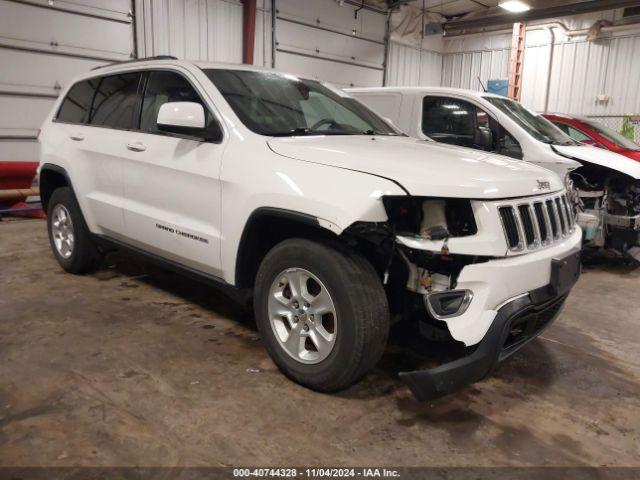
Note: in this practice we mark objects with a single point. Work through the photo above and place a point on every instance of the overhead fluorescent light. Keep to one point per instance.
(515, 6)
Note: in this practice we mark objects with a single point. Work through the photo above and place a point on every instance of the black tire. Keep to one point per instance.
(85, 256)
(362, 312)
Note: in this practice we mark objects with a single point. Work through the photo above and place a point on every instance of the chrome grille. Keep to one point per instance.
(532, 223)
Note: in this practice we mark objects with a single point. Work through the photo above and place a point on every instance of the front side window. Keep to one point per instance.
(458, 122)
(574, 133)
(535, 125)
(450, 120)
(507, 145)
(75, 107)
(115, 101)
(276, 104)
(163, 87)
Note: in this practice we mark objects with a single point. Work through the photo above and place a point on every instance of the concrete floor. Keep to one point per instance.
(136, 366)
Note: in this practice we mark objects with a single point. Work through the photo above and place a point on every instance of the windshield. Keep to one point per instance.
(277, 104)
(612, 135)
(535, 125)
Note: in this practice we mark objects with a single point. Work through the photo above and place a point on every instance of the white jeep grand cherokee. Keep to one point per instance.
(292, 189)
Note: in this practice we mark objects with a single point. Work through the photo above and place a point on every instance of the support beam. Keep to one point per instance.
(248, 30)
(538, 14)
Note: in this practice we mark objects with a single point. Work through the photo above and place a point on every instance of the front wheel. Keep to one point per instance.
(322, 313)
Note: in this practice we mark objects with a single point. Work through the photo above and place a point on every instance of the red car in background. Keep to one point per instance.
(593, 133)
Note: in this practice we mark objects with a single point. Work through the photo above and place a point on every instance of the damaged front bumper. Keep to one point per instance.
(517, 322)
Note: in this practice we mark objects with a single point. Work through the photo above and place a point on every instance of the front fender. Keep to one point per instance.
(588, 155)
(336, 197)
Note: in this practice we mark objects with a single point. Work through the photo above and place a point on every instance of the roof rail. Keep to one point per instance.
(157, 57)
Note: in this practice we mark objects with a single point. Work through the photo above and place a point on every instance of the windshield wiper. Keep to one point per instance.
(292, 132)
(301, 131)
(388, 134)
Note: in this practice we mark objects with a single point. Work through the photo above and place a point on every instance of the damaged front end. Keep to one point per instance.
(454, 266)
(609, 210)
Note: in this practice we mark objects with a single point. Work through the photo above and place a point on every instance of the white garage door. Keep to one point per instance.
(324, 40)
(43, 44)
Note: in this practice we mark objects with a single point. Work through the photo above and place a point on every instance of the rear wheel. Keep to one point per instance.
(321, 312)
(69, 237)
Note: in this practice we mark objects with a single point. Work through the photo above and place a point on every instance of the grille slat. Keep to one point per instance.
(561, 215)
(510, 226)
(542, 222)
(552, 218)
(527, 223)
(568, 209)
(539, 222)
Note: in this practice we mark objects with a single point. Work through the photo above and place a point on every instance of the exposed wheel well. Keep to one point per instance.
(266, 228)
(51, 179)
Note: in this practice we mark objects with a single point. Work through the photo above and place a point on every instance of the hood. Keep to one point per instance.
(424, 168)
(632, 154)
(600, 156)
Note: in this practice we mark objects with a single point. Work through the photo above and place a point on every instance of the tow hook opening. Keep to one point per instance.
(452, 303)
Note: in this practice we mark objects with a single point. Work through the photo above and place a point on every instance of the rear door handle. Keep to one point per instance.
(136, 146)
(78, 137)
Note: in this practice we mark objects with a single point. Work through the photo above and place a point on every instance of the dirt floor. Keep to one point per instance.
(134, 365)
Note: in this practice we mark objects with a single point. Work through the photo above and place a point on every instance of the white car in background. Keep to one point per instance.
(288, 188)
(607, 185)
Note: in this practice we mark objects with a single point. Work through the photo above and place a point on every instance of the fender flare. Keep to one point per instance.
(57, 169)
(244, 252)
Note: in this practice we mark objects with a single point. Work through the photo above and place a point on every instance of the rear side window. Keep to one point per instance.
(115, 101)
(75, 107)
(164, 87)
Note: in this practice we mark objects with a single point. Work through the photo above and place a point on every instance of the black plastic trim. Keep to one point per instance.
(267, 212)
(107, 241)
(449, 377)
(57, 169)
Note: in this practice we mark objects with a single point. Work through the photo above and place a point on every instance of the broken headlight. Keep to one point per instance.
(430, 218)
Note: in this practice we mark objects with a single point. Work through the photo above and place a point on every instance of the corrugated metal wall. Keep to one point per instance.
(580, 72)
(412, 66)
(193, 29)
(463, 69)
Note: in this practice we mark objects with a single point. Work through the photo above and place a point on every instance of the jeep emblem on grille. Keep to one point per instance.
(544, 185)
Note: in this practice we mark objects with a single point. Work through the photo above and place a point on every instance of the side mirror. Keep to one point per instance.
(186, 118)
(483, 138)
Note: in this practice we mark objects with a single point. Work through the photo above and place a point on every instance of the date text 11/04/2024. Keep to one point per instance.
(317, 472)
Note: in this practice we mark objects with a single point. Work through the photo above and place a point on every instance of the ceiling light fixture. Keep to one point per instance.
(515, 6)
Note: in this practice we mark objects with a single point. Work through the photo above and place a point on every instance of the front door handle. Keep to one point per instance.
(78, 137)
(136, 147)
